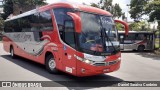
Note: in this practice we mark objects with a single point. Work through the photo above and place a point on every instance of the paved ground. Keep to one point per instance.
(135, 67)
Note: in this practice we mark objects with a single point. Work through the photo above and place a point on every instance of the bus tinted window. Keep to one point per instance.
(130, 37)
(35, 22)
(140, 36)
(61, 16)
(69, 33)
(45, 21)
(8, 27)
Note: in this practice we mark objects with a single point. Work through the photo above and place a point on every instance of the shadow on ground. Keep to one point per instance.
(65, 80)
(145, 54)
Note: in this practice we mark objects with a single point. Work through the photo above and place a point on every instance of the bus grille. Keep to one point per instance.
(100, 64)
(105, 63)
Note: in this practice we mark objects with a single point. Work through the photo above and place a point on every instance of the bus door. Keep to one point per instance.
(150, 41)
(66, 28)
(69, 61)
(121, 37)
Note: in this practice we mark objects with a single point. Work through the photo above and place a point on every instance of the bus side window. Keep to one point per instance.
(34, 22)
(8, 27)
(140, 36)
(45, 21)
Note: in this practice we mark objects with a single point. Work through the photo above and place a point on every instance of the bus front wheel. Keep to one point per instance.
(50, 64)
(141, 48)
(12, 52)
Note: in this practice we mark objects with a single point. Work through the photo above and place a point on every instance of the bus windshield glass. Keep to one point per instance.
(99, 34)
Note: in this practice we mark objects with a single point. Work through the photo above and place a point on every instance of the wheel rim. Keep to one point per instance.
(52, 64)
(12, 52)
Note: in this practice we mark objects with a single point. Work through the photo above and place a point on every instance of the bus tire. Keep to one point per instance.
(141, 48)
(12, 52)
(50, 64)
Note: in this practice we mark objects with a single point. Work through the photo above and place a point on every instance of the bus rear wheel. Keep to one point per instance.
(50, 64)
(12, 53)
(141, 48)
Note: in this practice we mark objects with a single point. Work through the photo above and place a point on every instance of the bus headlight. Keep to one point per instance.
(84, 60)
(88, 61)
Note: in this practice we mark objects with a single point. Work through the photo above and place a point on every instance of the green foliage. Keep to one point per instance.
(139, 26)
(108, 6)
(137, 8)
(95, 5)
(143, 7)
(29, 2)
(120, 27)
(9, 5)
(136, 26)
(8, 9)
(117, 11)
(1, 24)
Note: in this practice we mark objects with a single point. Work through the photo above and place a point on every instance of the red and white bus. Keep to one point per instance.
(76, 39)
(137, 40)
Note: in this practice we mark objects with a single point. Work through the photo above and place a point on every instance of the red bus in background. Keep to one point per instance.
(76, 39)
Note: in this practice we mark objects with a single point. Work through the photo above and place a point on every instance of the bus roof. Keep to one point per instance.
(78, 7)
(84, 8)
(136, 32)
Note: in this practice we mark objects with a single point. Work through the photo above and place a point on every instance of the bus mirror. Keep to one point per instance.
(77, 21)
(125, 25)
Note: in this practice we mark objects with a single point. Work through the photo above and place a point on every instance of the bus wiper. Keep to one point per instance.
(103, 39)
(108, 39)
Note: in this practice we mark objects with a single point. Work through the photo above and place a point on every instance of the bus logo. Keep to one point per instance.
(6, 84)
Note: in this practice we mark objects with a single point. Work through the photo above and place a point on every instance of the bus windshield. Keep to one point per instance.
(99, 34)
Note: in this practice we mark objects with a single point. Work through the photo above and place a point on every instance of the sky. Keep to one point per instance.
(122, 4)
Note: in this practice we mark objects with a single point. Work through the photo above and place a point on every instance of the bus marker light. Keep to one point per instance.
(69, 56)
(68, 69)
(83, 70)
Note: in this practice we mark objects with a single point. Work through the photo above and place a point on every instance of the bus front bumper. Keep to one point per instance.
(84, 69)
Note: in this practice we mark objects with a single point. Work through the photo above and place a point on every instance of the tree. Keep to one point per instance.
(1, 24)
(95, 5)
(149, 7)
(29, 2)
(12, 6)
(117, 11)
(139, 26)
(108, 6)
(20, 6)
(120, 27)
(137, 8)
(7, 9)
